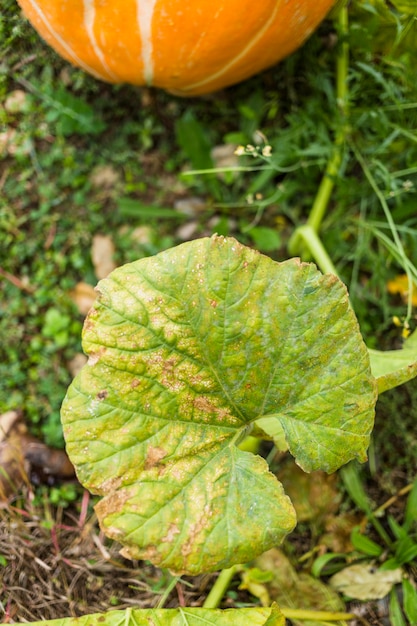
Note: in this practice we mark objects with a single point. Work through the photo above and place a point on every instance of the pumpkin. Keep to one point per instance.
(188, 47)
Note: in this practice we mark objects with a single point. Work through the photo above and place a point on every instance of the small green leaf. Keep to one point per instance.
(130, 207)
(410, 602)
(406, 551)
(395, 613)
(397, 530)
(364, 544)
(187, 350)
(270, 616)
(323, 566)
(354, 487)
(265, 238)
(410, 516)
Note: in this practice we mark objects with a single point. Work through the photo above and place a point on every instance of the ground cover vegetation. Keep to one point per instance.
(94, 176)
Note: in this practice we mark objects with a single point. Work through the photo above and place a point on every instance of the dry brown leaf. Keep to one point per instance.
(190, 205)
(13, 468)
(104, 177)
(314, 495)
(8, 421)
(365, 582)
(142, 235)
(84, 296)
(338, 532)
(293, 590)
(102, 251)
(7, 139)
(15, 101)
(21, 453)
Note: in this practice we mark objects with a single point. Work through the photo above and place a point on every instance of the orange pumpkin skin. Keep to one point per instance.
(188, 47)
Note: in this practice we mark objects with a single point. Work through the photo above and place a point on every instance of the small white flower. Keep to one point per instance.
(240, 150)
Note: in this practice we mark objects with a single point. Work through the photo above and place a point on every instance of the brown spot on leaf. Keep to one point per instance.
(154, 455)
(135, 383)
(195, 531)
(202, 403)
(108, 486)
(94, 357)
(102, 395)
(172, 531)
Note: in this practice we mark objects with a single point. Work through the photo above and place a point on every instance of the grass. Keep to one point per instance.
(80, 158)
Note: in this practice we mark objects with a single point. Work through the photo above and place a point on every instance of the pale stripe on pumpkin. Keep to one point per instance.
(60, 41)
(145, 12)
(256, 38)
(89, 18)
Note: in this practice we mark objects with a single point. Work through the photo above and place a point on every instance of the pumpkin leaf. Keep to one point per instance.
(176, 617)
(187, 350)
(395, 367)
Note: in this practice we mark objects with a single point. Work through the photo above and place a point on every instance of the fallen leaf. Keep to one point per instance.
(7, 139)
(191, 205)
(314, 496)
(102, 251)
(104, 177)
(143, 235)
(187, 231)
(7, 421)
(13, 468)
(364, 581)
(83, 295)
(338, 532)
(21, 454)
(16, 101)
(50, 461)
(299, 591)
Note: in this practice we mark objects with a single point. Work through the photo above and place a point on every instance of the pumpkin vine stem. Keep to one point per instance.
(220, 587)
(302, 241)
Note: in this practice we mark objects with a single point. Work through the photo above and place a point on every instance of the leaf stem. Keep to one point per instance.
(327, 183)
(220, 587)
(325, 616)
(310, 238)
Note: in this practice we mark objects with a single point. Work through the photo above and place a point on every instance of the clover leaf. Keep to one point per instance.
(187, 350)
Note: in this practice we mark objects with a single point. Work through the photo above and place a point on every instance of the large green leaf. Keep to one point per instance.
(176, 617)
(187, 350)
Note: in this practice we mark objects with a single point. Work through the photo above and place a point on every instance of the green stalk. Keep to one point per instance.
(296, 244)
(312, 241)
(220, 587)
(167, 591)
(322, 616)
